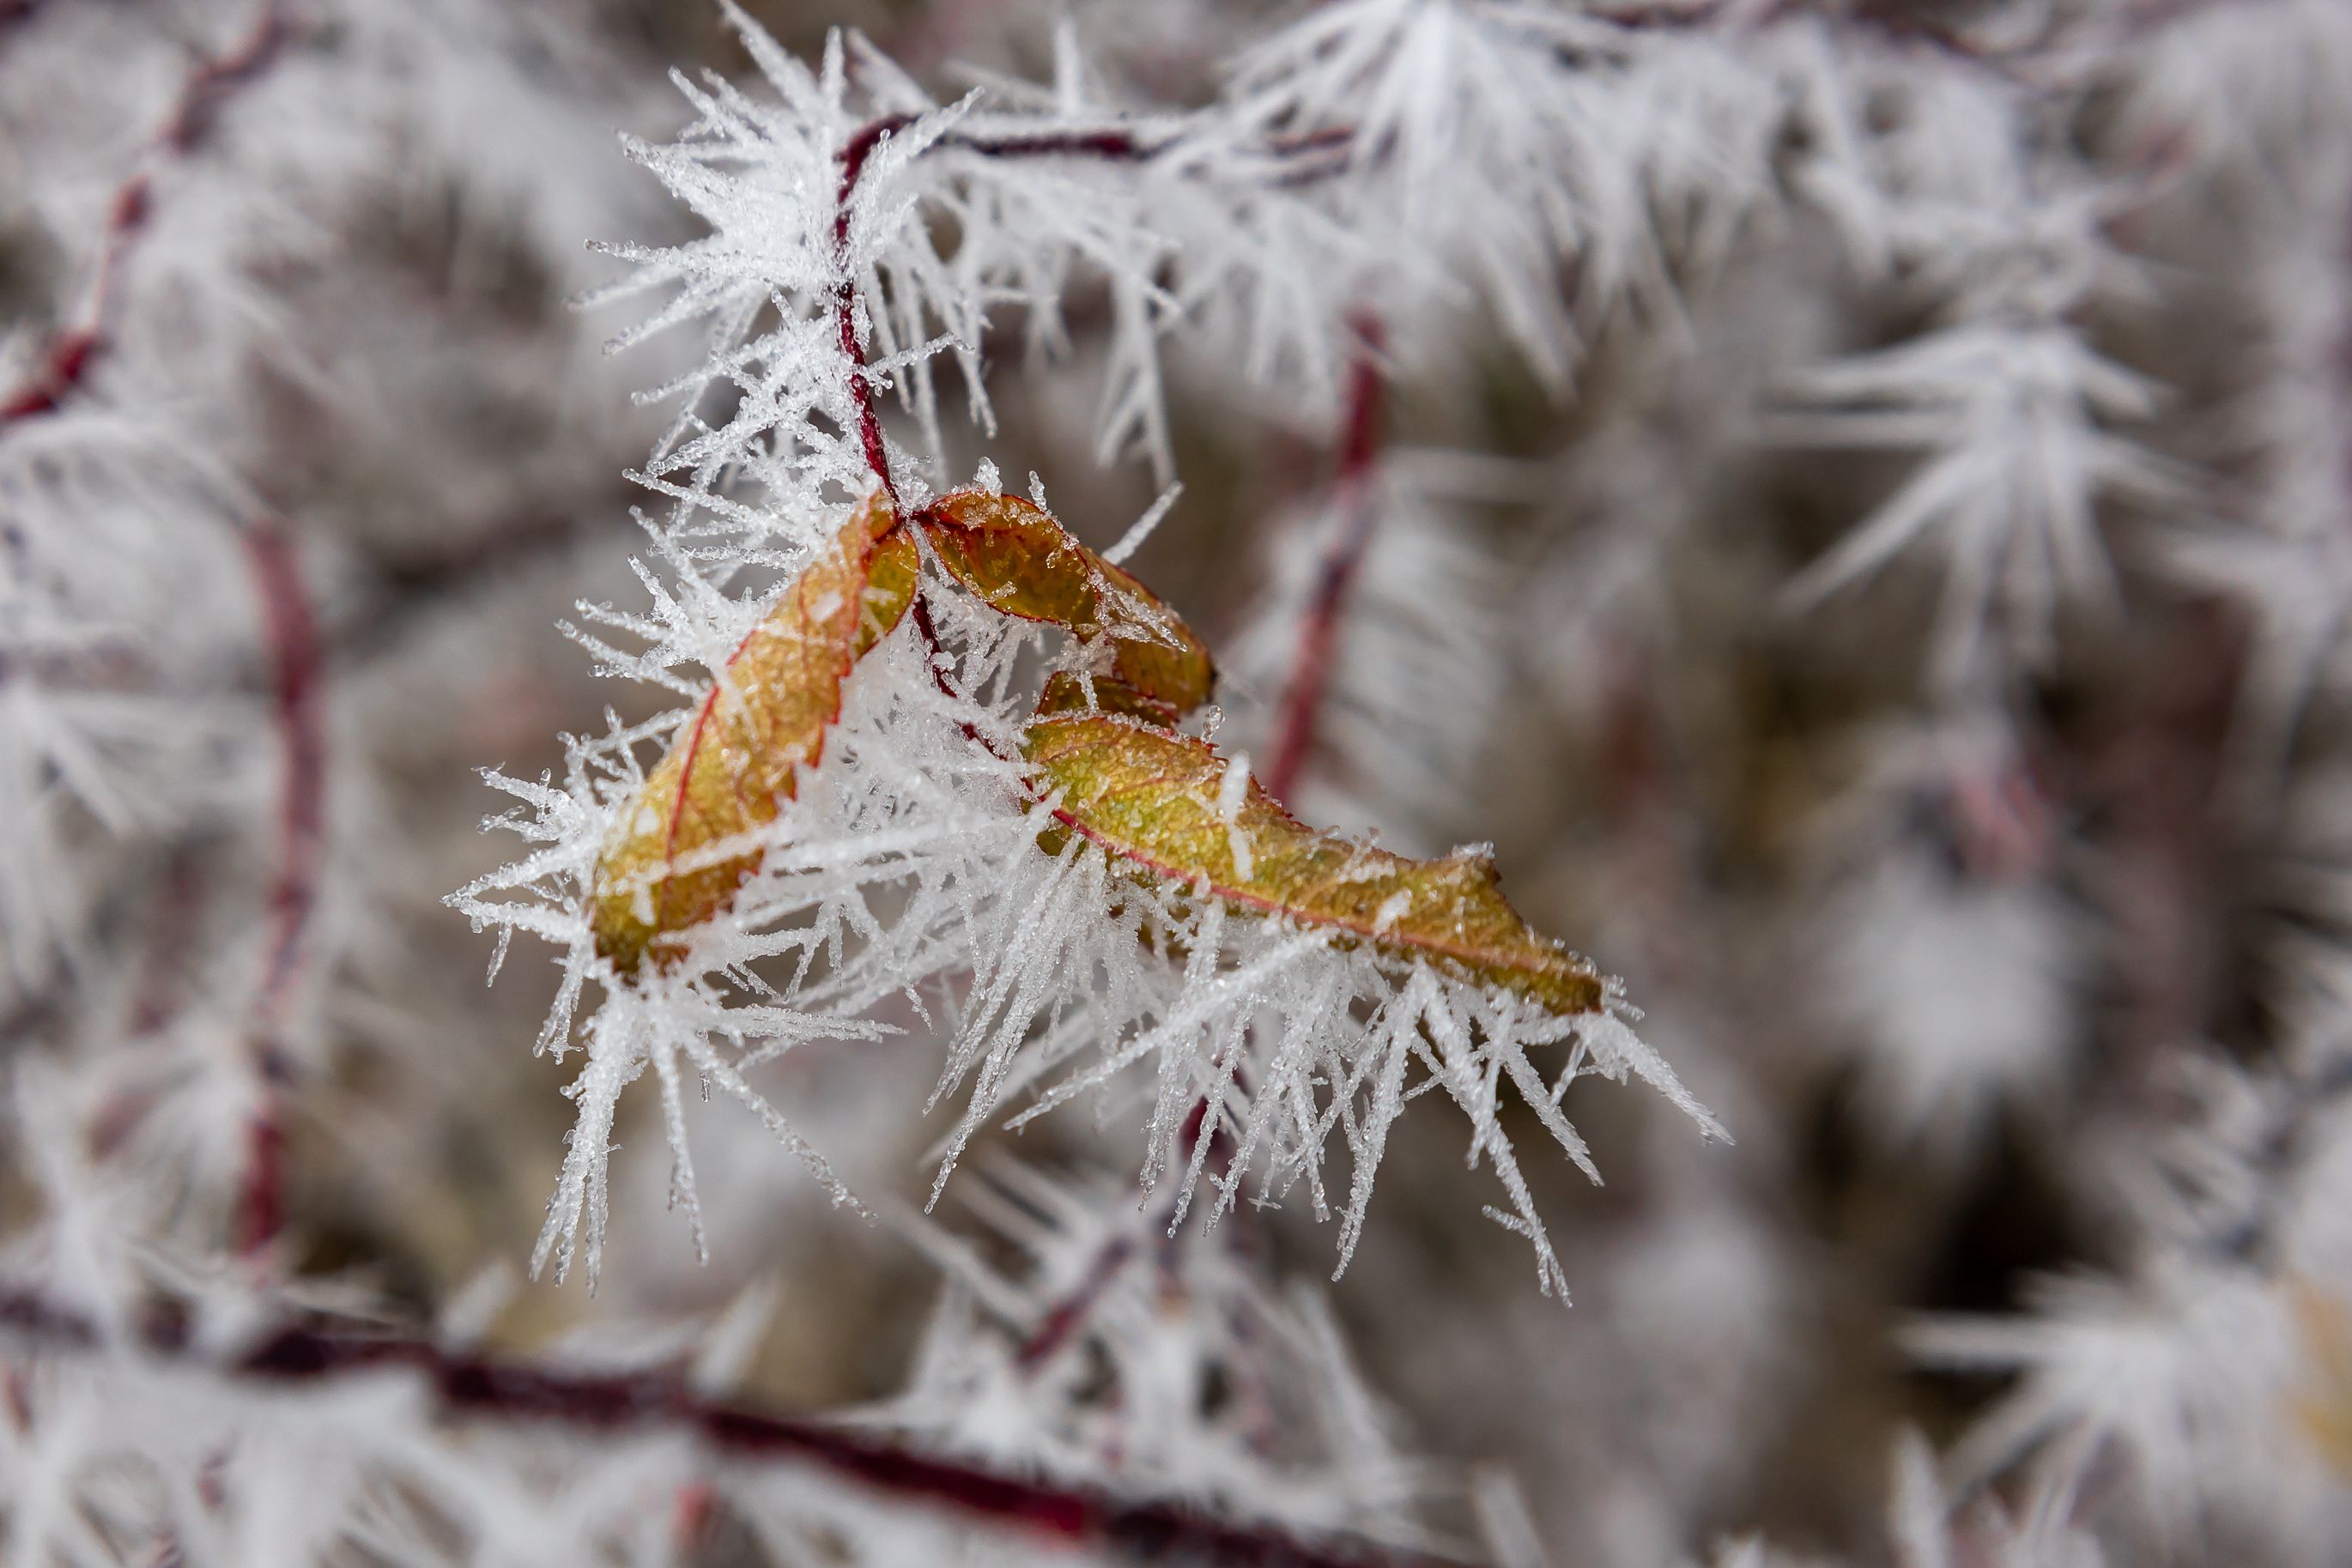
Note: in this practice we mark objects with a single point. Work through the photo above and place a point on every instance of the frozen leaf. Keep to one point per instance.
(1157, 800)
(1160, 801)
(665, 868)
(1020, 561)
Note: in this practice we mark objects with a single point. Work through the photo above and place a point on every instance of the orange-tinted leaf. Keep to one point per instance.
(1015, 557)
(1162, 801)
(727, 769)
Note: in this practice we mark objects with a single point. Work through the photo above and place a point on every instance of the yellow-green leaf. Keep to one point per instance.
(728, 766)
(1166, 803)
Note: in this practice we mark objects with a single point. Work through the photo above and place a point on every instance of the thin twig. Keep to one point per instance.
(1106, 142)
(209, 86)
(1318, 634)
(296, 660)
(855, 153)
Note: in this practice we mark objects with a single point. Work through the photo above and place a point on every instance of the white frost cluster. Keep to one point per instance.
(1946, 955)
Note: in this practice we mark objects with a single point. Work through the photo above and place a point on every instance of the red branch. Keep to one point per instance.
(1310, 669)
(296, 660)
(1109, 143)
(295, 667)
(260, 1211)
(607, 1404)
(1066, 1316)
(854, 155)
(208, 87)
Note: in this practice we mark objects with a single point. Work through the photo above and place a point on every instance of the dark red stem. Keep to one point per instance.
(209, 86)
(296, 660)
(1318, 634)
(1065, 1317)
(261, 1193)
(855, 153)
(1109, 143)
(607, 1404)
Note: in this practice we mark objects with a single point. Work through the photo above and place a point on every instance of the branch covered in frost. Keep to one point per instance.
(328, 1381)
(209, 86)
